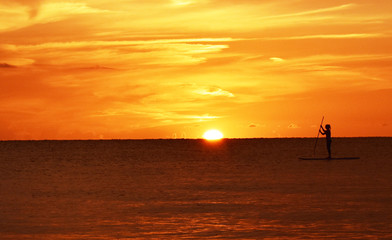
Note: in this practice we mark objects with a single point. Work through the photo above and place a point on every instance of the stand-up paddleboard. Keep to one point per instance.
(326, 158)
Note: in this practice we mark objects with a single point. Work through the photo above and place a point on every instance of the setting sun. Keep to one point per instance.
(213, 135)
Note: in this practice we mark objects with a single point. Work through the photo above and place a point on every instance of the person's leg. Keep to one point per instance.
(329, 148)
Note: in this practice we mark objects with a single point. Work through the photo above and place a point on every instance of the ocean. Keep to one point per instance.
(194, 189)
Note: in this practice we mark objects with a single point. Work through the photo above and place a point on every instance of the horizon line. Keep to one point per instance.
(144, 139)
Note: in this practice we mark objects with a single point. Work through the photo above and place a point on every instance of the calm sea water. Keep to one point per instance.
(191, 189)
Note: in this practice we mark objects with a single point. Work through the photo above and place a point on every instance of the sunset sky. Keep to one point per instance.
(93, 69)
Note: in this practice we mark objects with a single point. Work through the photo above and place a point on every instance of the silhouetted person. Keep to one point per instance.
(327, 133)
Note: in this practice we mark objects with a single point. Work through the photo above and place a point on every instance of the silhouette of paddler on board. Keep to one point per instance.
(327, 133)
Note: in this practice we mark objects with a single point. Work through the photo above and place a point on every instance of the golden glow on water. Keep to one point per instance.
(185, 189)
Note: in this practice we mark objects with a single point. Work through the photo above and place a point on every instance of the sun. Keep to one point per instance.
(213, 134)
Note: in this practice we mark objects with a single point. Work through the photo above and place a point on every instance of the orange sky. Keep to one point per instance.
(95, 69)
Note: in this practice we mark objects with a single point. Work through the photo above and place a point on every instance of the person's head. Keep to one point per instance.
(327, 126)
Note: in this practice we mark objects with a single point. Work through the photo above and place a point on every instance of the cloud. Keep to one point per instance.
(158, 43)
(332, 36)
(217, 17)
(183, 3)
(124, 54)
(276, 59)
(33, 5)
(56, 11)
(313, 12)
(204, 117)
(40, 11)
(214, 91)
(6, 65)
(14, 16)
(349, 65)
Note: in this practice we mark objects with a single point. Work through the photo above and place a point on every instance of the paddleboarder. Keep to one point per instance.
(327, 133)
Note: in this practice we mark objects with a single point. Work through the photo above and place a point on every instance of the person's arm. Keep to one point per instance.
(322, 130)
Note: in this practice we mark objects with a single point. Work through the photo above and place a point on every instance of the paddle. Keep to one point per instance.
(318, 133)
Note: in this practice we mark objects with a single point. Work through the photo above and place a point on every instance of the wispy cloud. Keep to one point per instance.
(40, 12)
(312, 12)
(60, 10)
(156, 42)
(33, 5)
(123, 53)
(214, 91)
(276, 59)
(332, 36)
(6, 65)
